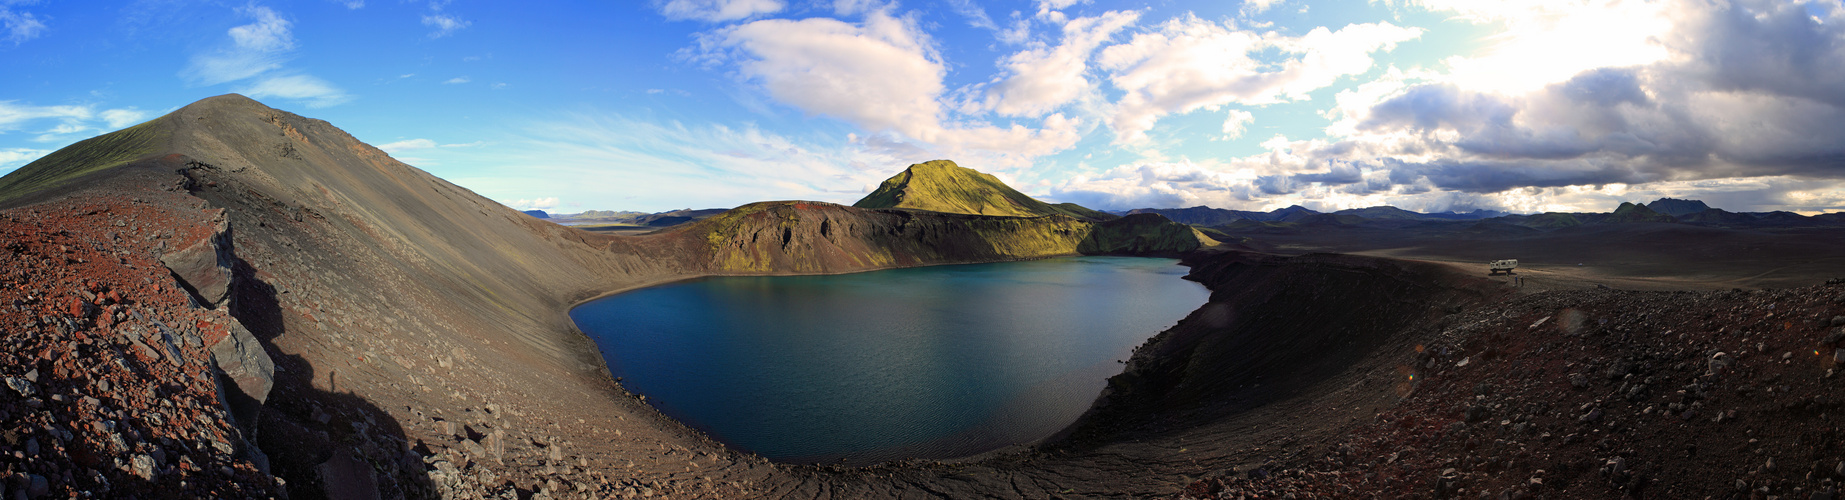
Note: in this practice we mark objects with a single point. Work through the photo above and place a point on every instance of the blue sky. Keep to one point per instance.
(1430, 105)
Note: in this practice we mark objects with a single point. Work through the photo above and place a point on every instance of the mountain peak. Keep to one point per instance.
(943, 186)
(1677, 207)
(231, 101)
(1631, 212)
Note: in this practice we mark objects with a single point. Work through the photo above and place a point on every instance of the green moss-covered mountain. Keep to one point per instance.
(88, 156)
(943, 186)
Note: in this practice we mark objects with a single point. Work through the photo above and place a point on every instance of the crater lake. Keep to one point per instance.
(918, 363)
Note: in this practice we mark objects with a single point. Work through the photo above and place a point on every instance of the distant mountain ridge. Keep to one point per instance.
(1676, 207)
(1208, 216)
(1664, 210)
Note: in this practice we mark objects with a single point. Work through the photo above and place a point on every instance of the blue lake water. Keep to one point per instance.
(932, 362)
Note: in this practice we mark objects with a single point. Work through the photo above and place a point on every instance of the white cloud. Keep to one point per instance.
(270, 33)
(118, 118)
(976, 16)
(1549, 42)
(1051, 11)
(1251, 7)
(456, 80)
(1160, 184)
(13, 114)
(1739, 114)
(1042, 79)
(547, 203)
(256, 52)
(255, 48)
(721, 10)
(882, 75)
(407, 145)
(14, 157)
(1236, 123)
(20, 26)
(444, 24)
(612, 162)
(316, 92)
(352, 4)
(66, 128)
(1190, 64)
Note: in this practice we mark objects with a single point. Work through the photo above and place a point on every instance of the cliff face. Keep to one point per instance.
(1143, 234)
(813, 237)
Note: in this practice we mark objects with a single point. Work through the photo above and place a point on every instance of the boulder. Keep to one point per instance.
(204, 267)
(243, 363)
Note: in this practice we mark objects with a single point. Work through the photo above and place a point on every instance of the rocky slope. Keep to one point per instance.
(1594, 393)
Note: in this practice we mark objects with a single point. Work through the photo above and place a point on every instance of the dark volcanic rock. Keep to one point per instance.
(205, 265)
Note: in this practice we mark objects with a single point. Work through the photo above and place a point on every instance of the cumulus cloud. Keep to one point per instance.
(20, 26)
(1258, 6)
(724, 10)
(1236, 123)
(255, 48)
(883, 75)
(1746, 94)
(1190, 64)
(1740, 108)
(1042, 79)
(456, 80)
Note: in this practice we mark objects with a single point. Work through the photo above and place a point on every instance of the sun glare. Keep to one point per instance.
(1549, 45)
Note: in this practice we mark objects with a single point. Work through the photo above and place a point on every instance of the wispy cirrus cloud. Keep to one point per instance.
(256, 52)
(20, 26)
(63, 123)
(13, 158)
(310, 90)
(718, 10)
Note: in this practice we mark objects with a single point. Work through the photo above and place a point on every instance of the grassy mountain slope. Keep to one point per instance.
(943, 186)
(87, 156)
